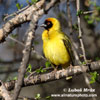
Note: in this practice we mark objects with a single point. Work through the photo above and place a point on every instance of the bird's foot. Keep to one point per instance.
(71, 66)
(69, 78)
(54, 71)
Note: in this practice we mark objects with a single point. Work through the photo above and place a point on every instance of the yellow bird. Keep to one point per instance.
(56, 44)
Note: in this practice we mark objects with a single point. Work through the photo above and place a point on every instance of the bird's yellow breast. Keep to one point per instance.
(54, 48)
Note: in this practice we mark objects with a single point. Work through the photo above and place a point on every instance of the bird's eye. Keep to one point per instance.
(48, 24)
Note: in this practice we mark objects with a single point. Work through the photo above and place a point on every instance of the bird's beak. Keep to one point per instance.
(43, 25)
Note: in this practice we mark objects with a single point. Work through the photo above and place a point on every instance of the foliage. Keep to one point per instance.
(94, 76)
(29, 68)
(32, 2)
(80, 12)
(47, 64)
(14, 35)
(95, 16)
(15, 78)
(97, 58)
(36, 42)
(38, 96)
(75, 27)
(19, 6)
(48, 98)
(40, 70)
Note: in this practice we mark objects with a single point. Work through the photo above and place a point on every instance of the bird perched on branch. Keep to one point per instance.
(56, 44)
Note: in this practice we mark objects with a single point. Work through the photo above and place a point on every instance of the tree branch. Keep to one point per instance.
(43, 78)
(3, 92)
(27, 51)
(80, 32)
(82, 46)
(69, 17)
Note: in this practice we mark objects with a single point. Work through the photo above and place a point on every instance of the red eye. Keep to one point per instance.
(48, 23)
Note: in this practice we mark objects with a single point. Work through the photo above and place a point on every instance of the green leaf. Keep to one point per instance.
(75, 26)
(94, 76)
(83, 62)
(29, 68)
(15, 78)
(19, 6)
(98, 19)
(79, 12)
(34, 1)
(14, 35)
(47, 64)
(90, 21)
(97, 58)
(36, 42)
(86, 17)
(40, 70)
(38, 96)
(98, 8)
(91, 82)
(48, 97)
(25, 75)
(27, 1)
(92, 3)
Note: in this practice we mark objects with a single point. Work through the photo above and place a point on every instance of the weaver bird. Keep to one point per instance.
(56, 44)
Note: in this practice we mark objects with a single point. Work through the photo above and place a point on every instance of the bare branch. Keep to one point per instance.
(82, 46)
(80, 31)
(16, 13)
(23, 17)
(88, 12)
(74, 48)
(28, 44)
(4, 92)
(26, 52)
(69, 17)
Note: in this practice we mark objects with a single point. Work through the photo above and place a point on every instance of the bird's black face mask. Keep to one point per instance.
(47, 25)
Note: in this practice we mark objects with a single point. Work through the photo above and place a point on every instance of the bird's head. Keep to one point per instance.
(51, 23)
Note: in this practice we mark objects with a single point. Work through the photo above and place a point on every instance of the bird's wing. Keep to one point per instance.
(68, 46)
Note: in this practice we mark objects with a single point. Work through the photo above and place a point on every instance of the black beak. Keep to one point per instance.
(43, 25)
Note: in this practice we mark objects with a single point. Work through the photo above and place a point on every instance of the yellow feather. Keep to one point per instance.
(54, 47)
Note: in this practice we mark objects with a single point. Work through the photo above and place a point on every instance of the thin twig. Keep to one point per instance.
(69, 17)
(82, 47)
(88, 12)
(32, 73)
(27, 51)
(16, 13)
(74, 48)
(29, 41)
(19, 19)
(80, 32)
(22, 44)
(3, 92)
